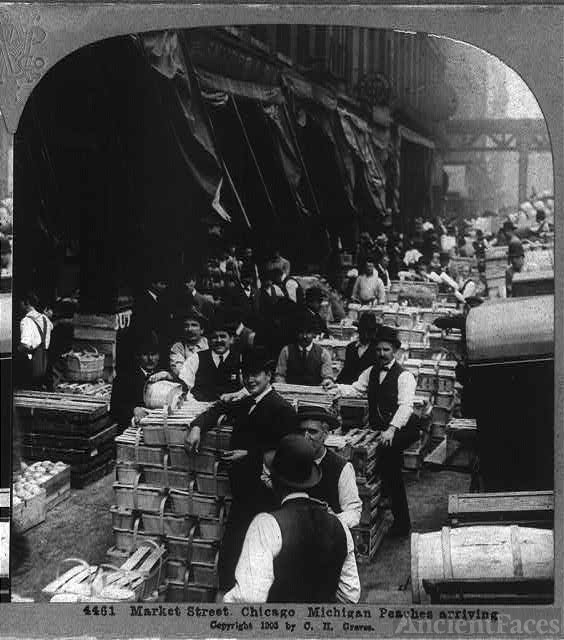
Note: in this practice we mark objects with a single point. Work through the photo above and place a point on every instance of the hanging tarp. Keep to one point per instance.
(360, 139)
(186, 111)
(287, 150)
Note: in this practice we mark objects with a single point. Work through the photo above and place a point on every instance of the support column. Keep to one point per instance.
(523, 146)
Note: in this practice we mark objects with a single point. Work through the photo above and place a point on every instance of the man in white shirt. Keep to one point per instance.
(338, 480)
(192, 342)
(368, 287)
(301, 552)
(390, 391)
(35, 338)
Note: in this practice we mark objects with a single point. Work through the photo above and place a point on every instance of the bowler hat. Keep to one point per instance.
(256, 360)
(367, 323)
(388, 334)
(227, 321)
(294, 463)
(306, 322)
(312, 412)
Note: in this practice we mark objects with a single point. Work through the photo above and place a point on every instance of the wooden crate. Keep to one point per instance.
(367, 540)
(532, 508)
(29, 513)
(365, 452)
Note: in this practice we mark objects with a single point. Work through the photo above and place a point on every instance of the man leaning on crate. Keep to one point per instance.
(260, 418)
(390, 391)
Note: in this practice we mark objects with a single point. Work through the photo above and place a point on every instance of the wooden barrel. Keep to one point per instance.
(162, 393)
(481, 552)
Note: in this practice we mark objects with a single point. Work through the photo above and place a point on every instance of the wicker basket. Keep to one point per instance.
(165, 477)
(83, 366)
(191, 549)
(168, 524)
(138, 496)
(122, 518)
(194, 504)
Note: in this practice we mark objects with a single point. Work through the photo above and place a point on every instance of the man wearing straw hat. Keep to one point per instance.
(390, 391)
(300, 552)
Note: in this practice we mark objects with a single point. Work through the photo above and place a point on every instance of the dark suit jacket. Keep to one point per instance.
(261, 430)
(354, 365)
(127, 393)
(257, 432)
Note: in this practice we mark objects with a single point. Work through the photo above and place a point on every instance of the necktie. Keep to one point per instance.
(221, 360)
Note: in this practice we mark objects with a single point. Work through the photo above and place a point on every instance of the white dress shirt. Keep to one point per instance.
(180, 352)
(29, 332)
(254, 575)
(189, 369)
(349, 500)
(406, 393)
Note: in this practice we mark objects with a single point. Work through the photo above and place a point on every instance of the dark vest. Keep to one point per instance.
(314, 548)
(354, 365)
(298, 372)
(383, 398)
(328, 488)
(212, 381)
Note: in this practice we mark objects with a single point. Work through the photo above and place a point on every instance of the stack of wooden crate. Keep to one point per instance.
(101, 332)
(175, 499)
(361, 448)
(304, 395)
(71, 428)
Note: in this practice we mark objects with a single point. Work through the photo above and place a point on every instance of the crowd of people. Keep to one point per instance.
(228, 333)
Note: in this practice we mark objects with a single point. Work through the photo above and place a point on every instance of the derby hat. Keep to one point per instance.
(388, 334)
(367, 323)
(312, 412)
(293, 465)
(256, 360)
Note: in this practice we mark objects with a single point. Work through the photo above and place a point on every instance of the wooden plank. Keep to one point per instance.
(529, 501)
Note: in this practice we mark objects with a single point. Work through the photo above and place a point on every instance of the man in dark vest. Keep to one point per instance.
(304, 362)
(390, 391)
(361, 353)
(260, 418)
(217, 370)
(338, 480)
(299, 552)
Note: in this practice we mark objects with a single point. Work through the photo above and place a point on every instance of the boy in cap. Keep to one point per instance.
(260, 419)
(299, 552)
(303, 361)
(337, 486)
(313, 299)
(212, 372)
(191, 327)
(361, 353)
(390, 391)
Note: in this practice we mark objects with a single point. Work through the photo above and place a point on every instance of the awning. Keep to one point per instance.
(361, 139)
(414, 137)
(185, 110)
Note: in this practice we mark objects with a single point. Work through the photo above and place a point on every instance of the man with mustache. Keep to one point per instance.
(390, 391)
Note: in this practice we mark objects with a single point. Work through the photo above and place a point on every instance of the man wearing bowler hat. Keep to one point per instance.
(260, 419)
(361, 353)
(337, 486)
(299, 552)
(390, 391)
